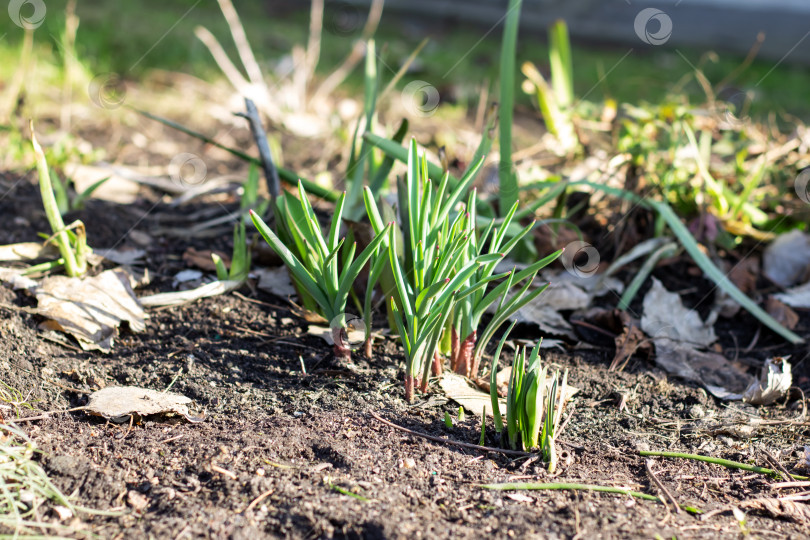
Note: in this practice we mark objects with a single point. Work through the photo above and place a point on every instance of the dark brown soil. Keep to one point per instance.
(282, 449)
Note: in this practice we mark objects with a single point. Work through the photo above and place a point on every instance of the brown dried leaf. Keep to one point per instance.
(202, 259)
(27, 251)
(118, 401)
(779, 508)
(744, 274)
(782, 313)
(90, 309)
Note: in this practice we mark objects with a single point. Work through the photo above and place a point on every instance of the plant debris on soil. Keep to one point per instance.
(291, 447)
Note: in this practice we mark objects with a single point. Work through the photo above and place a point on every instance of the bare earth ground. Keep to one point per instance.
(279, 444)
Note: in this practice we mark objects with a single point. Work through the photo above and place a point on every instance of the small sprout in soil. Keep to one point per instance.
(448, 422)
(240, 259)
(72, 245)
(461, 414)
(534, 403)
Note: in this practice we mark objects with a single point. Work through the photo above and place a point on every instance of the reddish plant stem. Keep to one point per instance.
(368, 347)
(464, 358)
(469, 346)
(342, 352)
(454, 349)
(409, 384)
(437, 364)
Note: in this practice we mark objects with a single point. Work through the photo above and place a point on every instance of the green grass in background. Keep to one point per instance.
(132, 38)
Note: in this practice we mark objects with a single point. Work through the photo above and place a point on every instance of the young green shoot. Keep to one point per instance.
(72, 246)
(534, 402)
(240, 258)
(431, 269)
(556, 100)
(316, 269)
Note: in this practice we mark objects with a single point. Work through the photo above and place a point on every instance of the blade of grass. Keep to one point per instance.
(516, 486)
(508, 179)
(701, 259)
(719, 461)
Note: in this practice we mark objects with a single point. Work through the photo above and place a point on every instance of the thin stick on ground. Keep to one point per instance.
(719, 461)
(665, 493)
(779, 467)
(454, 443)
(518, 486)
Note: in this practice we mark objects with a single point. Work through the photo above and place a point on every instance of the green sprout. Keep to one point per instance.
(467, 313)
(534, 402)
(316, 269)
(240, 259)
(72, 245)
(67, 202)
(556, 100)
(442, 271)
(431, 273)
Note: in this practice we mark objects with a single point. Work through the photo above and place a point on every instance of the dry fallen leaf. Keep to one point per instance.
(275, 281)
(666, 317)
(461, 390)
(90, 309)
(26, 251)
(202, 259)
(119, 401)
(799, 512)
(712, 370)
(798, 297)
(787, 259)
(773, 383)
(781, 312)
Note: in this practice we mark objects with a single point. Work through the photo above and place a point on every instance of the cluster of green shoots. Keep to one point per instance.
(535, 402)
(314, 260)
(437, 270)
